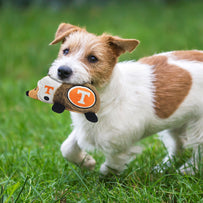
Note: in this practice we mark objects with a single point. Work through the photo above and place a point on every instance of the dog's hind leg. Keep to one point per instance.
(195, 163)
(73, 153)
(173, 141)
(195, 140)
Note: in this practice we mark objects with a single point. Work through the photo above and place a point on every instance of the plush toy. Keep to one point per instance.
(77, 98)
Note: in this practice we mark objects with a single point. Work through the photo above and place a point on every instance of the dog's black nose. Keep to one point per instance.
(64, 72)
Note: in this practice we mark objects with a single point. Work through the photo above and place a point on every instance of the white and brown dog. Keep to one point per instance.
(161, 93)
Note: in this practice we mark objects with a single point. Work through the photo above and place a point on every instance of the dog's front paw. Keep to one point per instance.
(88, 162)
(106, 170)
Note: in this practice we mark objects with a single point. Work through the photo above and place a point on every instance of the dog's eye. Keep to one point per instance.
(65, 51)
(92, 59)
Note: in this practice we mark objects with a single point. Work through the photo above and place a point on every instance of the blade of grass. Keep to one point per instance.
(21, 189)
(38, 194)
(2, 195)
(14, 188)
(76, 173)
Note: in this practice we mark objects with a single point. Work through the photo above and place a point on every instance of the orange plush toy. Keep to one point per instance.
(77, 98)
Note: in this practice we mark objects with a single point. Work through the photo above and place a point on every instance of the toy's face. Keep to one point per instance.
(45, 90)
(77, 98)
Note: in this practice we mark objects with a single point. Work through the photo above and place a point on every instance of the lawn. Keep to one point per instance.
(32, 168)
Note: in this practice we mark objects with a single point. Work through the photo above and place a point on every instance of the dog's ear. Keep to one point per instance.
(120, 45)
(63, 31)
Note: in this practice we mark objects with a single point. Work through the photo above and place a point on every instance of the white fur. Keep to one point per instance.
(79, 69)
(127, 114)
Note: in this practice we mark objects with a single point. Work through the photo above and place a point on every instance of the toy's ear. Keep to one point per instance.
(120, 45)
(63, 31)
(58, 108)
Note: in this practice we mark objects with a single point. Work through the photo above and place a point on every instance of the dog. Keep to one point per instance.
(161, 94)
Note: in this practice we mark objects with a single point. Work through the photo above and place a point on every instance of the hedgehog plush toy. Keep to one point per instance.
(78, 98)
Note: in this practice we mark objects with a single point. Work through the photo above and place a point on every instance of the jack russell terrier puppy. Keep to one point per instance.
(161, 93)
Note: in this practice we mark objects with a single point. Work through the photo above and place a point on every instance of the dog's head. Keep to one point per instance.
(86, 58)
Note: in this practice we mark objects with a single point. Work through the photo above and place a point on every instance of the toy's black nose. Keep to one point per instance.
(64, 72)
(27, 93)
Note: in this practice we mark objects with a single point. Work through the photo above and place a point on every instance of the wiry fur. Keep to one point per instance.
(128, 98)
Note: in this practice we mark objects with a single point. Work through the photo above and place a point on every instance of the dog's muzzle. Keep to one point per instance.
(64, 72)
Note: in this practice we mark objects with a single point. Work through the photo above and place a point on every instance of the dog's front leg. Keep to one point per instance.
(116, 163)
(73, 153)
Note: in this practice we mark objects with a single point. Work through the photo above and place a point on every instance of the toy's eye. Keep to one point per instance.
(65, 51)
(92, 59)
(46, 98)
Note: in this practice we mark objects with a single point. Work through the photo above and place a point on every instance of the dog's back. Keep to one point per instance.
(178, 86)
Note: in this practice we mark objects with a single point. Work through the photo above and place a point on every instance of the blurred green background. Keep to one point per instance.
(31, 134)
(27, 29)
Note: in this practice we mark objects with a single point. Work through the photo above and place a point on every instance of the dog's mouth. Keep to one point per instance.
(71, 81)
(56, 78)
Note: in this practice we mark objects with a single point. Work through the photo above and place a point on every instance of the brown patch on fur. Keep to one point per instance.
(107, 49)
(101, 71)
(63, 31)
(172, 85)
(189, 55)
(120, 45)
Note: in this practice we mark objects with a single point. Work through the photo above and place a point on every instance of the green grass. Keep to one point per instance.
(32, 168)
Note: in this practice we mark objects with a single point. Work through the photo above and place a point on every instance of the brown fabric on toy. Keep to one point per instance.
(78, 98)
